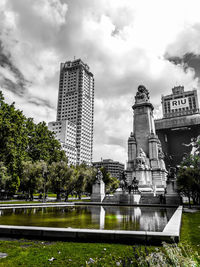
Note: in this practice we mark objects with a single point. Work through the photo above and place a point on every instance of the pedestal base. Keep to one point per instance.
(97, 197)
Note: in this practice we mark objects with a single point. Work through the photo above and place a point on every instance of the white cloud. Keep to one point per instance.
(123, 42)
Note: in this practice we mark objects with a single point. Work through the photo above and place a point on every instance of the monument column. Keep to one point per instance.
(145, 157)
(143, 125)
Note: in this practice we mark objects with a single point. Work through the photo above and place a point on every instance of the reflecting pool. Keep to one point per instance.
(90, 217)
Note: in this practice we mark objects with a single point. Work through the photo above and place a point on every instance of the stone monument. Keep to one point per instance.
(98, 188)
(145, 156)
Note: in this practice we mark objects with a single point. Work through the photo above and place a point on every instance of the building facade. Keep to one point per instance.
(180, 103)
(180, 124)
(115, 168)
(65, 133)
(76, 105)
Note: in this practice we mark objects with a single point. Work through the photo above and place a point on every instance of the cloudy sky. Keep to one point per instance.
(125, 43)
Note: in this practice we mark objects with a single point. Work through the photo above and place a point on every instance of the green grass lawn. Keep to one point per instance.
(36, 253)
(190, 230)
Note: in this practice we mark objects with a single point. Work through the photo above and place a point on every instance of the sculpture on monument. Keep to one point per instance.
(195, 144)
(98, 188)
(145, 156)
(99, 176)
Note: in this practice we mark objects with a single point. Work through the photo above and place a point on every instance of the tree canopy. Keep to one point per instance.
(23, 140)
(188, 178)
(31, 159)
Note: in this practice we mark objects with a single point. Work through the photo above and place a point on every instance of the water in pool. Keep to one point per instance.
(90, 217)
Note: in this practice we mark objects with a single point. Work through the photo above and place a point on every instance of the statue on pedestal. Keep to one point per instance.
(141, 159)
(123, 183)
(98, 188)
(99, 176)
(142, 94)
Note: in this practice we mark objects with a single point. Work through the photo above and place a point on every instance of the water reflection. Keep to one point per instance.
(91, 217)
(98, 215)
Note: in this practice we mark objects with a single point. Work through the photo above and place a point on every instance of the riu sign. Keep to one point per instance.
(179, 103)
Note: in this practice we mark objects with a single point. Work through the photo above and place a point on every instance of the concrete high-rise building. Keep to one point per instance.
(115, 168)
(76, 105)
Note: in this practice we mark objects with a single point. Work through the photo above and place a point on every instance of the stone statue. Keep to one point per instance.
(99, 176)
(123, 183)
(142, 94)
(195, 144)
(98, 188)
(141, 159)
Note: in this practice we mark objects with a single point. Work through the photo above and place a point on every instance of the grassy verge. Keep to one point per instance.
(36, 253)
(190, 230)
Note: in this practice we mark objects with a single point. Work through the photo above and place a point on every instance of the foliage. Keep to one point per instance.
(13, 140)
(32, 177)
(61, 177)
(188, 178)
(26, 149)
(85, 178)
(22, 140)
(5, 179)
(90, 177)
(171, 255)
(111, 183)
(42, 144)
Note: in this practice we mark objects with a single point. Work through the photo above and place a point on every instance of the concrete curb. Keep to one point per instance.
(112, 236)
(174, 224)
(36, 205)
(170, 233)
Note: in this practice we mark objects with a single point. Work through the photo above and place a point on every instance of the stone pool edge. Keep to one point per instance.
(170, 234)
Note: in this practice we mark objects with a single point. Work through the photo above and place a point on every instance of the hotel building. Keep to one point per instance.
(180, 123)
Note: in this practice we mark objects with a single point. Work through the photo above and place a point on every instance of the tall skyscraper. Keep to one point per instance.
(76, 105)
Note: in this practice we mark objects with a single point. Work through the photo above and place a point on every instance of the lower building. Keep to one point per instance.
(178, 136)
(179, 129)
(65, 133)
(115, 168)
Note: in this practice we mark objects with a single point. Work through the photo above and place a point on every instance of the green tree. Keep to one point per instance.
(32, 178)
(42, 143)
(188, 178)
(90, 177)
(60, 176)
(22, 140)
(13, 141)
(5, 179)
(111, 183)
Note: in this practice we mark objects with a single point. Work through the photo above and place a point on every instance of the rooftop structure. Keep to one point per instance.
(180, 103)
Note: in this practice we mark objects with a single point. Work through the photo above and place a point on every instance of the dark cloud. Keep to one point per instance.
(41, 102)
(18, 87)
(189, 60)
